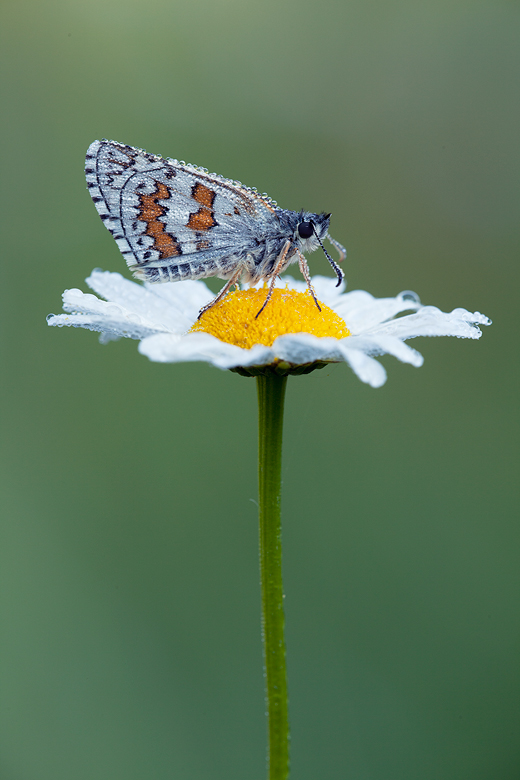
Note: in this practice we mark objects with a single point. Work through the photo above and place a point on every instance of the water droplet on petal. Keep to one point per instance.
(408, 295)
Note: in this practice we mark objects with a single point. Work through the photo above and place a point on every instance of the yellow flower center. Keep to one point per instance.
(233, 319)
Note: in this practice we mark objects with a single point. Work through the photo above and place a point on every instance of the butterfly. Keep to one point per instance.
(175, 221)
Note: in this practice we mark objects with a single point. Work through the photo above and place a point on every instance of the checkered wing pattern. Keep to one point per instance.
(172, 220)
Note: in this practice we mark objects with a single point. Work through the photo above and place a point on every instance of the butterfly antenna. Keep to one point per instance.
(337, 270)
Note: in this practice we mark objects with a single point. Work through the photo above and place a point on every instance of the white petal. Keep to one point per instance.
(84, 310)
(430, 321)
(327, 288)
(300, 348)
(380, 344)
(324, 286)
(364, 366)
(186, 297)
(166, 348)
(110, 328)
(113, 287)
(361, 311)
(77, 302)
(259, 355)
(144, 300)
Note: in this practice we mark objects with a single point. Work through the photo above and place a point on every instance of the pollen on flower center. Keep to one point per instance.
(233, 319)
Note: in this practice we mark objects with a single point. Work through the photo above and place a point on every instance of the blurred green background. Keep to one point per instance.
(130, 599)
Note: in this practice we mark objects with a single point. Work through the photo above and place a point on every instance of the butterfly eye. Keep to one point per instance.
(306, 229)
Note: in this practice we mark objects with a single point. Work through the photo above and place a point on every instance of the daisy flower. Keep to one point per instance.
(291, 335)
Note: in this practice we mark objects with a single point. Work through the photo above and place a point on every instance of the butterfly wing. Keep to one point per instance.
(166, 215)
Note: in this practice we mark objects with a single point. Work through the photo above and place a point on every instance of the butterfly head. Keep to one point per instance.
(309, 233)
(310, 230)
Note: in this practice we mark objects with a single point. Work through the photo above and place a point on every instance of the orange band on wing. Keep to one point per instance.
(203, 218)
(150, 212)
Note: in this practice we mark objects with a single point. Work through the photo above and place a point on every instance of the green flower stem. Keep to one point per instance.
(271, 394)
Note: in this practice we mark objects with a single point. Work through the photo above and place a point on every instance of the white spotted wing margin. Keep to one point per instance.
(175, 221)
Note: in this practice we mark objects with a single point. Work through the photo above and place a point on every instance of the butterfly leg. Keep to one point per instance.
(276, 271)
(304, 268)
(229, 284)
